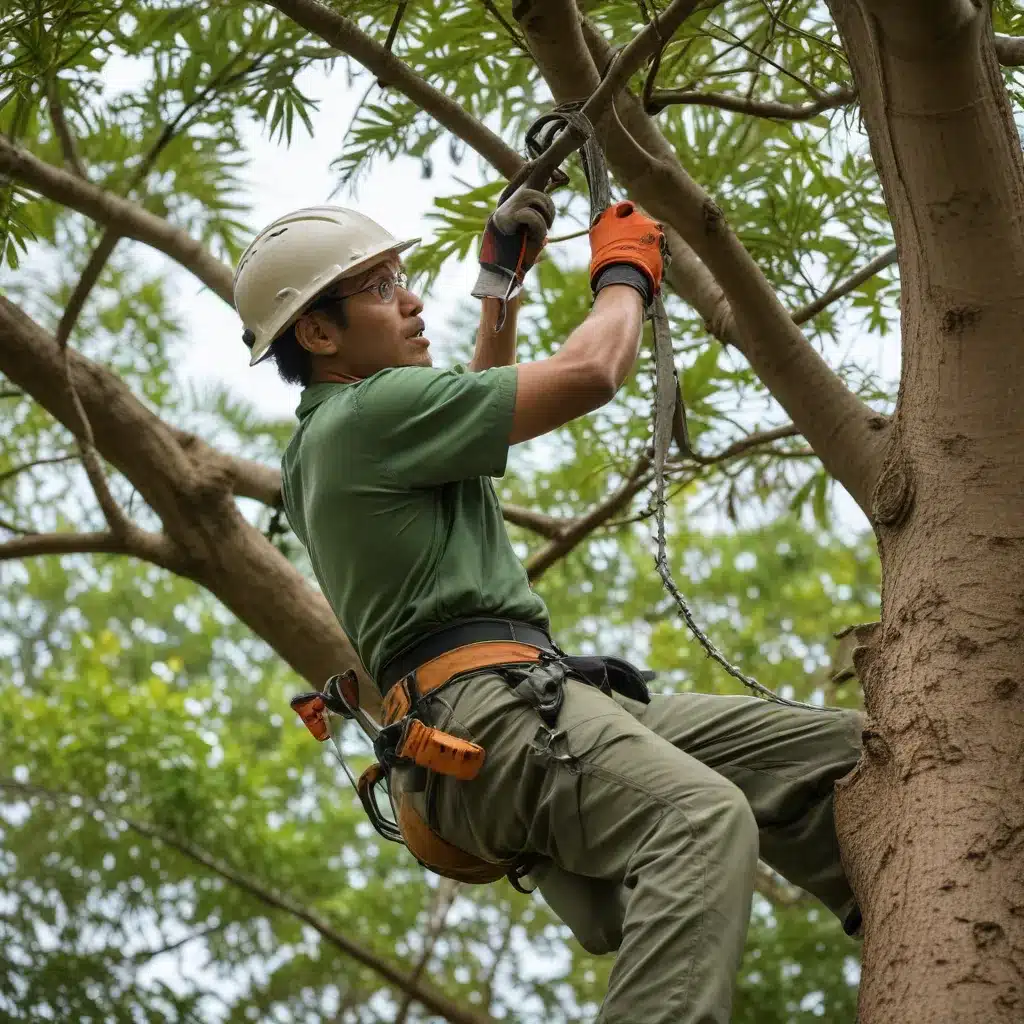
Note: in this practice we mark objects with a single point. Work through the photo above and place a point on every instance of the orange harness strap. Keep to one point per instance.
(434, 674)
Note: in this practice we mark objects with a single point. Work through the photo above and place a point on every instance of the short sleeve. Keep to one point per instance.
(432, 427)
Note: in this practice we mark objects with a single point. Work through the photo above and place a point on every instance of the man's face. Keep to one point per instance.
(383, 326)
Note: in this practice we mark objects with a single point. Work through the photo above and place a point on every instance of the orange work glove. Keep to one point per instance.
(627, 247)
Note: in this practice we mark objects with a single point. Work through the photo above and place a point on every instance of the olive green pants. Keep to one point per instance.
(650, 820)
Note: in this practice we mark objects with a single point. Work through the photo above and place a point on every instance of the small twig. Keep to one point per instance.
(11, 393)
(6, 524)
(745, 444)
(53, 460)
(565, 238)
(60, 127)
(393, 32)
(760, 55)
(758, 108)
(444, 898)
(145, 955)
(86, 282)
(509, 28)
(812, 309)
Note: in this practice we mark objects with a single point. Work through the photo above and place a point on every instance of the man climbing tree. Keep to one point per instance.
(640, 818)
(824, 175)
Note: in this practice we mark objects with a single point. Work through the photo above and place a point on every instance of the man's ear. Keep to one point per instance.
(312, 334)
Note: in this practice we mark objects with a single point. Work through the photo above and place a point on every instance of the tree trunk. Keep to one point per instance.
(932, 821)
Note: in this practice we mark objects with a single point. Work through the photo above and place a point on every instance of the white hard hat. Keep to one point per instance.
(295, 258)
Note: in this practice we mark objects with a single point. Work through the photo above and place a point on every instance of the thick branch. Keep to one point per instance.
(152, 547)
(192, 495)
(1010, 50)
(433, 999)
(711, 270)
(948, 155)
(758, 108)
(343, 34)
(852, 283)
(119, 215)
(538, 522)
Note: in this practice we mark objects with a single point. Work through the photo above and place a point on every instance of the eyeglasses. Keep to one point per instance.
(385, 287)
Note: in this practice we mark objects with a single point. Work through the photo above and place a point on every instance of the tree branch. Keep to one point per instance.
(578, 529)
(745, 444)
(343, 34)
(538, 522)
(445, 895)
(1010, 50)
(86, 282)
(145, 955)
(251, 479)
(854, 281)
(60, 126)
(151, 547)
(509, 28)
(119, 215)
(431, 998)
(663, 98)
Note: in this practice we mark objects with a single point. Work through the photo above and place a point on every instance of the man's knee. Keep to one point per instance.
(736, 830)
(721, 826)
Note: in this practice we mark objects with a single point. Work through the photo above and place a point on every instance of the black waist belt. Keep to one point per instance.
(469, 631)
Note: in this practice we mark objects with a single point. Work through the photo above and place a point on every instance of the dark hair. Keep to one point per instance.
(295, 363)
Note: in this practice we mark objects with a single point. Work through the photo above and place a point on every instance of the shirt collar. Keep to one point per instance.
(315, 395)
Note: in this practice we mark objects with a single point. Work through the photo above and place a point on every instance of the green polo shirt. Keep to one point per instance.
(386, 483)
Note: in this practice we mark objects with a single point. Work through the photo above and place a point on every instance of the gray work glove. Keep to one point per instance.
(513, 238)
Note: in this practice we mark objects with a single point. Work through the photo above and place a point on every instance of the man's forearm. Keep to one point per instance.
(495, 348)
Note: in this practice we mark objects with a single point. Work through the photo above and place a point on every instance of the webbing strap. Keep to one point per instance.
(541, 136)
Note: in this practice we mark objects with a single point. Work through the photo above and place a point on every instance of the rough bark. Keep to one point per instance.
(932, 821)
(189, 486)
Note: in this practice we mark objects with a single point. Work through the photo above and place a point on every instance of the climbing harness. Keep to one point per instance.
(532, 666)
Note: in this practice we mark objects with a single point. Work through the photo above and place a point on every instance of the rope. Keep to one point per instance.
(666, 389)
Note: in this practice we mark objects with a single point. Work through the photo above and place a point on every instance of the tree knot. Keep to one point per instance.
(893, 494)
(713, 216)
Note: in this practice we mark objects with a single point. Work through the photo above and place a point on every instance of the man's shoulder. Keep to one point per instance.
(399, 388)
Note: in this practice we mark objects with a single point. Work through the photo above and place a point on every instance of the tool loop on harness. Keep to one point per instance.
(366, 787)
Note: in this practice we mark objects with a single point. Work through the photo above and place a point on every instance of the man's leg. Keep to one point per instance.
(786, 761)
(609, 801)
